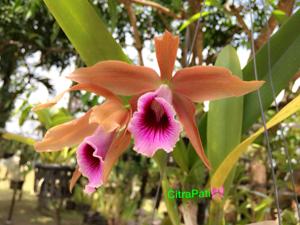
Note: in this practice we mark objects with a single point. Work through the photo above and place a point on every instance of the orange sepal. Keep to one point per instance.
(76, 175)
(119, 145)
(166, 50)
(201, 83)
(67, 134)
(119, 77)
(185, 110)
(110, 115)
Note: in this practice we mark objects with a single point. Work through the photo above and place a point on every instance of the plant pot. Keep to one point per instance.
(83, 208)
(70, 205)
(94, 218)
(16, 184)
(52, 180)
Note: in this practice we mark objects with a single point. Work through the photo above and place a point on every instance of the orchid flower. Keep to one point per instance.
(162, 99)
(101, 132)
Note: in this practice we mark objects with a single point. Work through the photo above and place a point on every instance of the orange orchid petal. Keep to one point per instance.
(109, 115)
(200, 83)
(119, 77)
(166, 50)
(76, 175)
(98, 90)
(67, 134)
(117, 148)
(185, 110)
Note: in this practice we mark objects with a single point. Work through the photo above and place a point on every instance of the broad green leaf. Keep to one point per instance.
(224, 124)
(85, 30)
(224, 127)
(192, 19)
(230, 161)
(285, 54)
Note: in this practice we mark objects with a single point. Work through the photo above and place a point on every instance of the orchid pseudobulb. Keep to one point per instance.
(165, 106)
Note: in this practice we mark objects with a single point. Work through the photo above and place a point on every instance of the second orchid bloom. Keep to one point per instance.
(161, 107)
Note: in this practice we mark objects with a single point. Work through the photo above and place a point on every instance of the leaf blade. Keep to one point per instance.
(85, 30)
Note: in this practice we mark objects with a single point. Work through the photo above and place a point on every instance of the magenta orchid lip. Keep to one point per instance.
(154, 126)
(91, 155)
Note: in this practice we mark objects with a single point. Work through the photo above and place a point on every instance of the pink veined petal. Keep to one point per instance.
(91, 156)
(153, 125)
(119, 77)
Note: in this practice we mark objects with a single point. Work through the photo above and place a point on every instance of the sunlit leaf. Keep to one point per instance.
(284, 55)
(230, 161)
(192, 19)
(85, 30)
(19, 138)
(224, 116)
(280, 16)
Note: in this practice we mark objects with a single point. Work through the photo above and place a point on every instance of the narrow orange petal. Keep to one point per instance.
(119, 77)
(117, 148)
(98, 90)
(109, 115)
(185, 110)
(67, 134)
(166, 50)
(200, 83)
(76, 175)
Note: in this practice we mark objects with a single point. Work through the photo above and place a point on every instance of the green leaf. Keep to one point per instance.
(44, 117)
(113, 12)
(181, 156)
(224, 127)
(280, 16)
(177, 4)
(170, 203)
(213, 3)
(192, 19)
(85, 30)
(285, 54)
(17, 137)
(230, 161)
(24, 115)
(224, 124)
(160, 157)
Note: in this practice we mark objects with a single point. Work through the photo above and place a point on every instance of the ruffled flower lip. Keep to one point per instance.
(91, 156)
(153, 125)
